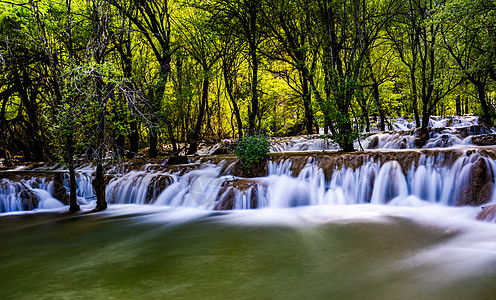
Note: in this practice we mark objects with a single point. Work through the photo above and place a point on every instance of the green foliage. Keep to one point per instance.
(189, 64)
(252, 149)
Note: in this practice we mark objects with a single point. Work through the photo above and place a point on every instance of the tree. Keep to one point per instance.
(349, 30)
(153, 20)
(291, 33)
(241, 20)
(468, 34)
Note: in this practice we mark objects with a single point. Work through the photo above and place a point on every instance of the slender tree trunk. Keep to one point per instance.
(99, 184)
(199, 122)
(153, 139)
(73, 205)
(230, 93)
(133, 136)
(414, 97)
(458, 106)
(307, 101)
(486, 109)
(254, 98)
(253, 113)
(382, 116)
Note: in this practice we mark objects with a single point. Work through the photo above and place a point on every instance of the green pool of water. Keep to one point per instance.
(134, 256)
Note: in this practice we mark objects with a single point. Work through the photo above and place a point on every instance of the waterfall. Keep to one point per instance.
(37, 191)
(446, 175)
(401, 178)
(432, 178)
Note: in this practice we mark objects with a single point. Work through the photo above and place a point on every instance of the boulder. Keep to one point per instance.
(177, 160)
(488, 213)
(484, 139)
(421, 138)
(156, 186)
(59, 190)
(29, 200)
(257, 170)
(478, 188)
(230, 189)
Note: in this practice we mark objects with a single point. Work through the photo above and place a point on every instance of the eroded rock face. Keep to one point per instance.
(59, 191)
(488, 213)
(29, 200)
(421, 138)
(331, 161)
(479, 186)
(237, 188)
(156, 186)
(257, 170)
(484, 140)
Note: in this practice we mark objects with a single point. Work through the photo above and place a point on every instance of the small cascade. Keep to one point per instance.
(429, 180)
(138, 187)
(443, 133)
(25, 192)
(409, 178)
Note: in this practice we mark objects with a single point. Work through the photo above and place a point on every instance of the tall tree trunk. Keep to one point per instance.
(230, 93)
(458, 106)
(201, 113)
(253, 113)
(414, 97)
(375, 88)
(486, 109)
(99, 184)
(73, 205)
(307, 101)
(133, 136)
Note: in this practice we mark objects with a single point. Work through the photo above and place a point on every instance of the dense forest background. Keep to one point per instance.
(99, 77)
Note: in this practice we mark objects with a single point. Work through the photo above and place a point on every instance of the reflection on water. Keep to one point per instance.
(320, 252)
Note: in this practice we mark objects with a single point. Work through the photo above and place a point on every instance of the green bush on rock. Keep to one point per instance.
(252, 150)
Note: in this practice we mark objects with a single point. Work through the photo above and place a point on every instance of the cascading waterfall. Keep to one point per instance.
(375, 177)
(428, 180)
(38, 192)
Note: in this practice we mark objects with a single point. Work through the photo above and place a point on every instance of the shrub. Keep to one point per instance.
(252, 149)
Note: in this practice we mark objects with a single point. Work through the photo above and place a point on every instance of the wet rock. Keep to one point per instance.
(225, 147)
(374, 142)
(488, 213)
(257, 170)
(29, 200)
(157, 185)
(177, 160)
(484, 140)
(130, 154)
(478, 188)
(233, 188)
(59, 190)
(421, 137)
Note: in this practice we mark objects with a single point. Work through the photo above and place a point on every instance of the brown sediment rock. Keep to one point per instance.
(177, 160)
(29, 200)
(479, 186)
(228, 191)
(488, 213)
(421, 138)
(331, 161)
(59, 191)
(156, 186)
(484, 140)
(257, 170)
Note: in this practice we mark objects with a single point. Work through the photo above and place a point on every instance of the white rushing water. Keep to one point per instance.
(430, 179)
(36, 192)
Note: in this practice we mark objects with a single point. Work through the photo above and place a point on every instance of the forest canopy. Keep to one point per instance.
(95, 77)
